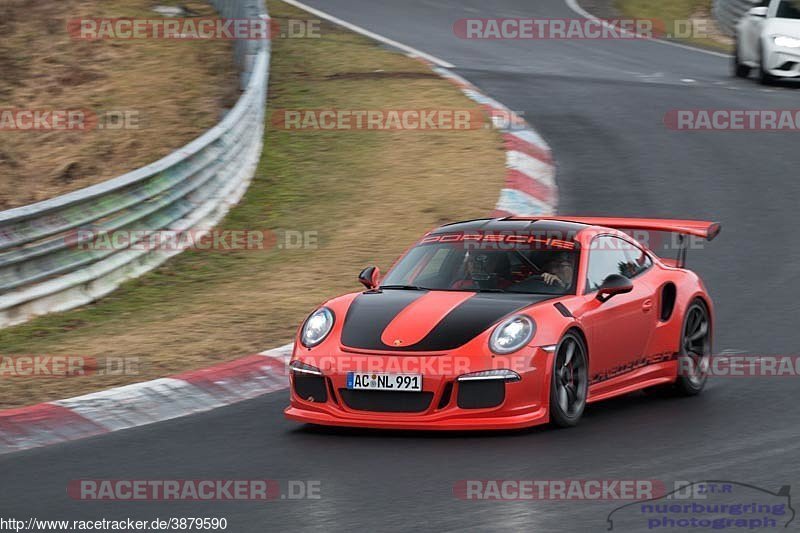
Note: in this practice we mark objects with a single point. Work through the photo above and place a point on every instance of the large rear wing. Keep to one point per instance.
(697, 228)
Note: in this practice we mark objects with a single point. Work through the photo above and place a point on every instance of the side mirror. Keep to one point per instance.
(369, 277)
(613, 285)
(760, 11)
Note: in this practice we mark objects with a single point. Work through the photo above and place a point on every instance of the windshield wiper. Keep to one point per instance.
(404, 287)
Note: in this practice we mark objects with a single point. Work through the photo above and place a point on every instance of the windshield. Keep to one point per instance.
(471, 263)
(789, 9)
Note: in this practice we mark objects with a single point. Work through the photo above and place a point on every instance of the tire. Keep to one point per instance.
(739, 70)
(764, 77)
(695, 350)
(569, 385)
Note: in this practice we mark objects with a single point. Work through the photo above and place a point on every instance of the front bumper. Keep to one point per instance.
(444, 404)
(783, 62)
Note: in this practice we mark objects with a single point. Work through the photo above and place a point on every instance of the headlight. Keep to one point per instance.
(785, 41)
(317, 327)
(512, 334)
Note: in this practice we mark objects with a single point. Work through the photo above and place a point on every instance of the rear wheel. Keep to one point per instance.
(695, 350)
(570, 384)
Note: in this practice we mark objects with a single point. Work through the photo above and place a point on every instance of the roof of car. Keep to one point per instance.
(563, 227)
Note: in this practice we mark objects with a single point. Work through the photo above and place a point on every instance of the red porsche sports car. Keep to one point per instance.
(507, 323)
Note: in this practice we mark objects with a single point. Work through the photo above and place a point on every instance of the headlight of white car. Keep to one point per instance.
(317, 327)
(512, 334)
(784, 41)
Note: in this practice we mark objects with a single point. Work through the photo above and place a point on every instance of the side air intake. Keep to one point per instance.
(668, 293)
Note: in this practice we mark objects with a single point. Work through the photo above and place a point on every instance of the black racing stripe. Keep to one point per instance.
(473, 317)
(370, 313)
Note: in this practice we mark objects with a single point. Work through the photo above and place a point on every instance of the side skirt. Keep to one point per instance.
(640, 378)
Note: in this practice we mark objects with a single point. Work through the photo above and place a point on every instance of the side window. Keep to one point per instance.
(609, 255)
(638, 259)
(788, 9)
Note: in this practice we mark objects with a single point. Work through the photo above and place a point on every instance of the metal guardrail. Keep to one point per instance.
(43, 268)
(728, 13)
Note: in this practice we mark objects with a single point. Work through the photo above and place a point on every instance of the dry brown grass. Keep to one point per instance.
(697, 11)
(367, 194)
(176, 89)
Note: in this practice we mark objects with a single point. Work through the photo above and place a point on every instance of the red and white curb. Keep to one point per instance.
(530, 189)
(144, 403)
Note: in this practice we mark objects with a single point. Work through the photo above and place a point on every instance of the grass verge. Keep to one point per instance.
(705, 32)
(171, 91)
(366, 194)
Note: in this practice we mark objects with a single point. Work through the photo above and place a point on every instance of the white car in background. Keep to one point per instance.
(768, 38)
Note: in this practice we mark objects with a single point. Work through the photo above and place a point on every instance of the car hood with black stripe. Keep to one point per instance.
(426, 321)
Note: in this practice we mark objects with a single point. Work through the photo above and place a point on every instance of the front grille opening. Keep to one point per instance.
(445, 399)
(310, 388)
(481, 394)
(789, 65)
(386, 401)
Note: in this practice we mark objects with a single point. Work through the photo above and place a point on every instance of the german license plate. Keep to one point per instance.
(388, 382)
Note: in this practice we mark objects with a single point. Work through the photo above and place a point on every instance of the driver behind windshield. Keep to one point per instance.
(483, 270)
(559, 270)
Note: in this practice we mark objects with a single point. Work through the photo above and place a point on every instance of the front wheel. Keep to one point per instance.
(570, 383)
(695, 351)
(739, 70)
(765, 77)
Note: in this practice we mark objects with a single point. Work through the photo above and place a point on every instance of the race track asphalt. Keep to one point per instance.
(600, 105)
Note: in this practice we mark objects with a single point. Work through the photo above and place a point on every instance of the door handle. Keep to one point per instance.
(647, 306)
